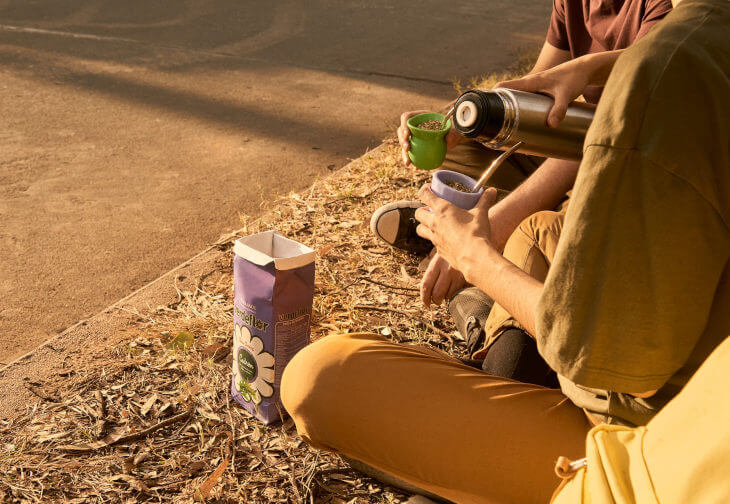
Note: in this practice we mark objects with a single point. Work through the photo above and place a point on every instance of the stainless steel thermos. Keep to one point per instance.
(502, 117)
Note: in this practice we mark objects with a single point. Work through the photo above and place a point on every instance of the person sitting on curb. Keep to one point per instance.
(523, 224)
(635, 300)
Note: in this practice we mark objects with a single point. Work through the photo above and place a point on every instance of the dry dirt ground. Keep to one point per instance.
(133, 134)
(135, 406)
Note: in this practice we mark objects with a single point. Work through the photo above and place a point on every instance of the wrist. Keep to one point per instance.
(480, 260)
(599, 66)
(500, 226)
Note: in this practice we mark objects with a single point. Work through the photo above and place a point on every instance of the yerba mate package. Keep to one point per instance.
(273, 290)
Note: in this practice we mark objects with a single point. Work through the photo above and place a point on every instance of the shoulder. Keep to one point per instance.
(665, 77)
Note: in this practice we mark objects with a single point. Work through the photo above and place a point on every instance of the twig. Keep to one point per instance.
(294, 486)
(395, 287)
(233, 435)
(116, 438)
(41, 394)
(407, 314)
(100, 414)
(410, 289)
(343, 287)
(353, 197)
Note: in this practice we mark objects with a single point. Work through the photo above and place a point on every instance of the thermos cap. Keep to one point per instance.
(466, 113)
(479, 114)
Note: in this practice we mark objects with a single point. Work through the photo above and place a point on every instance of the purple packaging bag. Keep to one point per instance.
(273, 279)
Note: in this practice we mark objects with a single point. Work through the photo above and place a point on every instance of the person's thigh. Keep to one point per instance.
(430, 420)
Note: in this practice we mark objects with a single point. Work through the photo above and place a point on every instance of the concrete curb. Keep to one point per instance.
(60, 354)
(106, 310)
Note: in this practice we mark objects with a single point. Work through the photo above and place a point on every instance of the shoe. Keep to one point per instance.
(396, 225)
(470, 308)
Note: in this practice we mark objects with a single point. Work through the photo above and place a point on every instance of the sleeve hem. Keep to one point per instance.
(557, 42)
(613, 381)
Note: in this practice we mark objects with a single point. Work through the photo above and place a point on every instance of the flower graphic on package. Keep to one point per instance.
(255, 368)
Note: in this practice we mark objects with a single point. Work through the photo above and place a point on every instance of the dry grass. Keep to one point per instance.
(522, 65)
(155, 422)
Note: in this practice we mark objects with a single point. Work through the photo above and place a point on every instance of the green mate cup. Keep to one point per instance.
(428, 148)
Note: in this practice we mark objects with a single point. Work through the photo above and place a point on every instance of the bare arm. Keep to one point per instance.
(516, 291)
(549, 57)
(566, 81)
(463, 239)
(542, 190)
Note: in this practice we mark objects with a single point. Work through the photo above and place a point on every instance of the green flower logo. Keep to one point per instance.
(253, 367)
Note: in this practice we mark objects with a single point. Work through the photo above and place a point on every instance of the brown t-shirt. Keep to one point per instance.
(591, 26)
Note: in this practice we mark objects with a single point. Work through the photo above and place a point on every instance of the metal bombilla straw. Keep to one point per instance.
(493, 167)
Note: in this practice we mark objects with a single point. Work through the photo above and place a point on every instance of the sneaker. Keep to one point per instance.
(470, 308)
(396, 225)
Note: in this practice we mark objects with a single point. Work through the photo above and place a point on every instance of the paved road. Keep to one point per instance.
(133, 134)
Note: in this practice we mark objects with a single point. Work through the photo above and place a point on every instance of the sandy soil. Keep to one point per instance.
(134, 134)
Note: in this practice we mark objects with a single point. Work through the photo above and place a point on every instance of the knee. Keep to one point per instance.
(541, 224)
(304, 368)
(316, 379)
(540, 231)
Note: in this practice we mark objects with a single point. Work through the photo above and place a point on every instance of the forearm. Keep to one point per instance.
(516, 291)
(549, 57)
(543, 190)
(597, 66)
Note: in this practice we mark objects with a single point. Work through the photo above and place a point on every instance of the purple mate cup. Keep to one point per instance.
(464, 200)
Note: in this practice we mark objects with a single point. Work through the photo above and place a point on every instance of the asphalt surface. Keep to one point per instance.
(133, 134)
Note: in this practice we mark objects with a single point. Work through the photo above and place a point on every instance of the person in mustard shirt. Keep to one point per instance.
(635, 300)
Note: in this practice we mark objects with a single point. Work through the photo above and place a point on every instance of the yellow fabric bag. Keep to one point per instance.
(681, 456)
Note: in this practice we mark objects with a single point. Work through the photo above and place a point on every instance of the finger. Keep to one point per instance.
(531, 83)
(424, 232)
(487, 200)
(429, 198)
(424, 215)
(441, 288)
(456, 283)
(404, 135)
(429, 279)
(557, 112)
(503, 84)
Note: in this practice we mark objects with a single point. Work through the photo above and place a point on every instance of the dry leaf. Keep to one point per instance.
(147, 406)
(183, 340)
(216, 351)
(131, 481)
(207, 486)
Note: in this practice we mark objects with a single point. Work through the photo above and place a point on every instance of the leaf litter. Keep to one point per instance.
(154, 422)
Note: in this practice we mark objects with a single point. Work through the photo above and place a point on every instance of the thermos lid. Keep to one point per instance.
(467, 113)
(479, 113)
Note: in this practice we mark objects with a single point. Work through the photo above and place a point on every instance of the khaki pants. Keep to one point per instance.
(425, 418)
(531, 247)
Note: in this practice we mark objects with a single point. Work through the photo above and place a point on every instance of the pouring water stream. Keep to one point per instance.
(493, 167)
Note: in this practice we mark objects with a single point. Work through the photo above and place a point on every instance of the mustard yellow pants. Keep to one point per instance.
(425, 418)
(531, 247)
